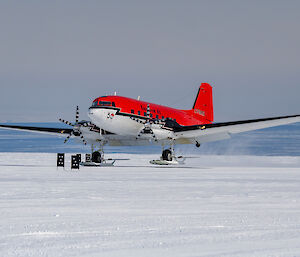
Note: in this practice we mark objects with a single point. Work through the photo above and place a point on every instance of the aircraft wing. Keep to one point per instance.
(183, 134)
(46, 130)
(219, 131)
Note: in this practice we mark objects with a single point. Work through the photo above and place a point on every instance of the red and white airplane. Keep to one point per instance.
(122, 121)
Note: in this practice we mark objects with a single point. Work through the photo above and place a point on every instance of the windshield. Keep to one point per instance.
(101, 103)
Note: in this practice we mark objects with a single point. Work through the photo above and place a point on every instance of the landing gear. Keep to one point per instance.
(168, 157)
(97, 157)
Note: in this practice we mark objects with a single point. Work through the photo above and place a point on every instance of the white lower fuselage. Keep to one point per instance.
(117, 124)
(122, 124)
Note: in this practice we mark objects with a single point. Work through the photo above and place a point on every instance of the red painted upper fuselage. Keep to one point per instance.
(137, 108)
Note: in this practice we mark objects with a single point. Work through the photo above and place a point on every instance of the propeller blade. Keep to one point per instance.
(66, 140)
(77, 114)
(138, 120)
(66, 122)
(83, 140)
(148, 111)
(86, 124)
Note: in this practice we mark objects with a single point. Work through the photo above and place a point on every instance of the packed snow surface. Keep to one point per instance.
(212, 206)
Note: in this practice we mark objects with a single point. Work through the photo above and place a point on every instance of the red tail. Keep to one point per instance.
(203, 105)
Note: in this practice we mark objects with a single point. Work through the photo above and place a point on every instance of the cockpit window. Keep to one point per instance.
(101, 103)
(104, 103)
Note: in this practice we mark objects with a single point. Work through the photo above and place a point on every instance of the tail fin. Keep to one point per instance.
(203, 105)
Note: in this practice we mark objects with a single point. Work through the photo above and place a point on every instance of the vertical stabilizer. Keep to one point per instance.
(203, 105)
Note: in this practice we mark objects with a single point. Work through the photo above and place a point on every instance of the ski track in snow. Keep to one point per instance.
(212, 206)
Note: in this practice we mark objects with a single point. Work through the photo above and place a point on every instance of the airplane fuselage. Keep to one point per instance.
(116, 114)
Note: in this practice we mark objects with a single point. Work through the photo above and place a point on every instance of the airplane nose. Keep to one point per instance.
(90, 112)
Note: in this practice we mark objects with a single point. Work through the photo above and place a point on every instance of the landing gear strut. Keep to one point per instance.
(98, 158)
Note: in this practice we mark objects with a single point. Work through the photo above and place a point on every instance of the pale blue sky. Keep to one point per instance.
(57, 54)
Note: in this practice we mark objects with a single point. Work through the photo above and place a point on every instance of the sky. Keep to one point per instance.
(55, 55)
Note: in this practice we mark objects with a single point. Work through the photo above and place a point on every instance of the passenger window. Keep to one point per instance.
(151, 115)
(145, 114)
(132, 111)
(113, 104)
(156, 116)
(139, 112)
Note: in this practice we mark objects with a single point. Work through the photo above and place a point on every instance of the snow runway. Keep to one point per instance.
(213, 206)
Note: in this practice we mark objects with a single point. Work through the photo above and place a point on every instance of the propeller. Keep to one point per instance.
(76, 127)
(147, 124)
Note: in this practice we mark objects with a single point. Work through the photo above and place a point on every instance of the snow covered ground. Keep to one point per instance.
(212, 206)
